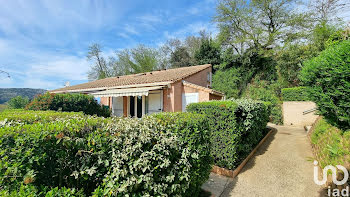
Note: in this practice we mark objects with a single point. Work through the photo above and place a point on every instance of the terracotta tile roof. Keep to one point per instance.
(169, 75)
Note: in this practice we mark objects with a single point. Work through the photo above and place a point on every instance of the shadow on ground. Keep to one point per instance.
(250, 164)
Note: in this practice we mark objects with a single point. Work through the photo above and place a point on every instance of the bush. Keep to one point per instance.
(328, 76)
(266, 92)
(18, 102)
(68, 102)
(295, 94)
(236, 127)
(75, 154)
(163, 155)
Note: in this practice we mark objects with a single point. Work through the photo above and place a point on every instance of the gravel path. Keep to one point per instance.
(282, 166)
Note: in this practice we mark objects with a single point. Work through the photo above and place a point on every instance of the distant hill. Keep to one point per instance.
(7, 93)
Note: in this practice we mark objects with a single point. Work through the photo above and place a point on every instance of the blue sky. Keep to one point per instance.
(43, 44)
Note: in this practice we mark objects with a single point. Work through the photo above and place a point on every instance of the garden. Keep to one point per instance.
(61, 153)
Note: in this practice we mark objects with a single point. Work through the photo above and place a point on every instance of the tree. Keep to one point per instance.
(208, 52)
(100, 68)
(180, 58)
(260, 24)
(136, 60)
(325, 11)
(18, 102)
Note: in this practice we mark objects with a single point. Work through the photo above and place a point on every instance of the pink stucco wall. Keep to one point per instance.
(172, 96)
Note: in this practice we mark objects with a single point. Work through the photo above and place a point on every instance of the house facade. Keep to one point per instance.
(168, 90)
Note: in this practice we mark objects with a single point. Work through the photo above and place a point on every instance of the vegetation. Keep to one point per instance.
(331, 145)
(70, 103)
(68, 153)
(18, 102)
(236, 127)
(295, 94)
(3, 107)
(7, 93)
(328, 76)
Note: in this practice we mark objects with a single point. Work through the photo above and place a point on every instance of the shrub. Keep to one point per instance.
(68, 102)
(295, 94)
(163, 155)
(328, 76)
(18, 102)
(75, 154)
(236, 127)
(266, 92)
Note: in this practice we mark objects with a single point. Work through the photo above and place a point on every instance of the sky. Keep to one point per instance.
(43, 44)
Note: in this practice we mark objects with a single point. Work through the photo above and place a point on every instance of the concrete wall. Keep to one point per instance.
(293, 113)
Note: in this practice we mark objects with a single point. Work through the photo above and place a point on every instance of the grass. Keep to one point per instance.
(331, 144)
(3, 107)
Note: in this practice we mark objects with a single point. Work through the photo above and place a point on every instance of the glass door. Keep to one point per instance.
(135, 106)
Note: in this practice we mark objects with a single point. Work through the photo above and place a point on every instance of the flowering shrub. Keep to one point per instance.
(71, 154)
(68, 102)
(236, 126)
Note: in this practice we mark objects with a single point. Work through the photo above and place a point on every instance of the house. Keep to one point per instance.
(168, 90)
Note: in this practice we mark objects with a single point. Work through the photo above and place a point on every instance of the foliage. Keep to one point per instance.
(229, 81)
(18, 102)
(295, 94)
(208, 53)
(3, 107)
(101, 67)
(68, 102)
(338, 37)
(236, 127)
(128, 61)
(136, 60)
(164, 155)
(328, 76)
(71, 154)
(180, 58)
(7, 93)
(264, 91)
(257, 24)
(332, 145)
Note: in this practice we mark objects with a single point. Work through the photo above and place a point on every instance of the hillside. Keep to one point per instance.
(7, 93)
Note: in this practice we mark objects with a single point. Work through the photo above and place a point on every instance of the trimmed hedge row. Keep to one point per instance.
(80, 155)
(295, 94)
(68, 103)
(236, 127)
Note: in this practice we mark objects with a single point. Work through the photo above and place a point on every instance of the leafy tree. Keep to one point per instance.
(208, 53)
(101, 68)
(180, 58)
(261, 24)
(18, 102)
(136, 60)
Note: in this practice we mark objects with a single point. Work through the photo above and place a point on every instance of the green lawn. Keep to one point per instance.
(2, 107)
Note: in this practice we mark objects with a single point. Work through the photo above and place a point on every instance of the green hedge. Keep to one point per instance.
(70, 103)
(236, 127)
(295, 94)
(328, 76)
(165, 154)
